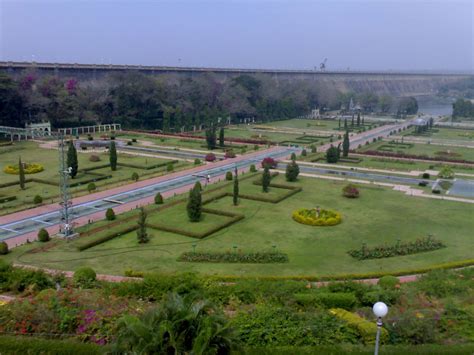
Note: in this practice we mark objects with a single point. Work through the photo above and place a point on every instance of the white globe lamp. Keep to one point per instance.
(380, 310)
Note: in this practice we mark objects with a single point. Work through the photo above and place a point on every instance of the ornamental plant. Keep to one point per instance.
(3, 248)
(21, 171)
(269, 162)
(135, 176)
(317, 217)
(210, 157)
(158, 199)
(350, 191)
(85, 277)
(169, 167)
(229, 154)
(142, 234)
(37, 200)
(266, 178)
(292, 171)
(446, 173)
(94, 158)
(72, 161)
(113, 156)
(91, 187)
(194, 206)
(197, 161)
(110, 214)
(253, 169)
(228, 176)
(43, 235)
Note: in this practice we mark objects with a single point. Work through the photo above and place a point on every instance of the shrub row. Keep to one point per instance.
(327, 299)
(26, 346)
(7, 199)
(147, 167)
(250, 258)
(105, 238)
(365, 328)
(385, 251)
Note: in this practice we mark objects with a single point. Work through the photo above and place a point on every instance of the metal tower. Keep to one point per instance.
(66, 204)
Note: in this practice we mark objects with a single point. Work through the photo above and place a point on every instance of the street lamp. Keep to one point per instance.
(380, 310)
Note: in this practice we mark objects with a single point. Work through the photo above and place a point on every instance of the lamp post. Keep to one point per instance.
(380, 310)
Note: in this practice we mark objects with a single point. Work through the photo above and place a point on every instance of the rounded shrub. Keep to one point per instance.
(94, 158)
(228, 176)
(84, 277)
(43, 235)
(169, 167)
(304, 153)
(135, 176)
(388, 282)
(110, 214)
(229, 154)
(91, 187)
(158, 199)
(134, 140)
(210, 157)
(253, 169)
(3, 248)
(350, 191)
(37, 200)
(425, 176)
(269, 162)
(89, 137)
(317, 217)
(197, 161)
(129, 143)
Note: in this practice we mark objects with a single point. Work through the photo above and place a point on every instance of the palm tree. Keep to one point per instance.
(180, 325)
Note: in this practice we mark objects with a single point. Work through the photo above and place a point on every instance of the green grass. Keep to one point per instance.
(424, 149)
(444, 133)
(379, 216)
(31, 153)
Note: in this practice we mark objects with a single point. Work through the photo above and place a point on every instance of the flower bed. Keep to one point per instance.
(32, 168)
(250, 258)
(350, 191)
(412, 156)
(386, 251)
(314, 218)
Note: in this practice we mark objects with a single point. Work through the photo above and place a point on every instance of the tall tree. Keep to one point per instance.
(72, 159)
(266, 177)
(345, 124)
(211, 137)
(142, 234)
(221, 137)
(113, 156)
(358, 118)
(345, 144)
(194, 206)
(235, 195)
(21, 171)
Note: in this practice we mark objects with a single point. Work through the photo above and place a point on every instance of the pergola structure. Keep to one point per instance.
(74, 131)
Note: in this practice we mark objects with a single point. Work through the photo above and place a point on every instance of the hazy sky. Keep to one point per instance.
(292, 34)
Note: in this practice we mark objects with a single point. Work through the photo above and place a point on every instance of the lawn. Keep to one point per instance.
(444, 133)
(31, 153)
(430, 150)
(379, 216)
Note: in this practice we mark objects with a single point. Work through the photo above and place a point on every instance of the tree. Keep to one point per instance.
(135, 176)
(221, 138)
(142, 234)
(292, 171)
(228, 176)
(331, 155)
(21, 171)
(293, 156)
(43, 235)
(358, 118)
(345, 124)
(158, 199)
(385, 103)
(266, 178)
(109, 214)
(407, 106)
(194, 206)
(235, 195)
(211, 137)
(179, 325)
(113, 156)
(72, 160)
(345, 145)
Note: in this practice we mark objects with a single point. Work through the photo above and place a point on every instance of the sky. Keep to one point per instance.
(293, 34)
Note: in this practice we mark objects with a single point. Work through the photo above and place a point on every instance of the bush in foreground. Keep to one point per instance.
(3, 248)
(158, 199)
(228, 176)
(110, 214)
(85, 277)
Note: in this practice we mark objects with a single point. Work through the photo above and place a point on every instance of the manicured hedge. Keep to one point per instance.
(328, 299)
(23, 345)
(105, 238)
(309, 217)
(413, 156)
(147, 167)
(7, 199)
(385, 251)
(365, 328)
(249, 258)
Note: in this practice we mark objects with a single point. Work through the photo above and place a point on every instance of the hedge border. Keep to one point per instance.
(7, 199)
(240, 258)
(105, 238)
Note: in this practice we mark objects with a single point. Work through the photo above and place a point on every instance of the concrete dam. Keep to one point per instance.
(392, 83)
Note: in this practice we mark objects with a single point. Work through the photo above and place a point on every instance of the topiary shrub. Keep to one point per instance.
(129, 143)
(425, 176)
(389, 282)
(317, 217)
(110, 214)
(85, 277)
(210, 157)
(37, 200)
(169, 167)
(229, 154)
(43, 235)
(304, 153)
(253, 169)
(228, 176)
(135, 176)
(336, 300)
(32, 168)
(3, 248)
(91, 187)
(350, 191)
(134, 140)
(94, 158)
(197, 161)
(158, 199)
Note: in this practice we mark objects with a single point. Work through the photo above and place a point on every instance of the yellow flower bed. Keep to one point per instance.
(29, 169)
(311, 217)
